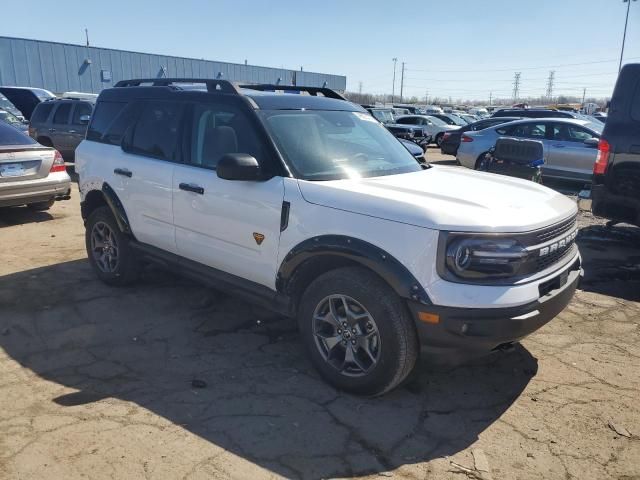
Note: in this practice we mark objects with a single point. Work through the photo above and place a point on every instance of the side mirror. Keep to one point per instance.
(592, 142)
(84, 119)
(239, 166)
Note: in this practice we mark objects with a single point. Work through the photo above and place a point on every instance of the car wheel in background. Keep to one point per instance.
(357, 331)
(479, 161)
(108, 249)
(439, 139)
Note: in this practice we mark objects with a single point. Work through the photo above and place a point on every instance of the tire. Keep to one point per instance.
(479, 161)
(378, 323)
(41, 206)
(115, 263)
(439, 139)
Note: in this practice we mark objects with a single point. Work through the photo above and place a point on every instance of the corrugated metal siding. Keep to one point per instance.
(62, 67)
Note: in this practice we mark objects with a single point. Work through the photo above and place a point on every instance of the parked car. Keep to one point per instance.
(413, 109)
(600, 116)
(569, 145)
(25, 99)
(468, 117)
(414, 149)
(450, 119)
(61, 123)
(387, 117)
(616, 172)
(451, 140)
(10, 119)
(307, 206)
(534, 113)
(479, 111)
(7, 106)
(432, 125)
(30, 174)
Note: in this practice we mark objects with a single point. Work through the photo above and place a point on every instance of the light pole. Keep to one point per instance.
(393, 88)
(624, 35)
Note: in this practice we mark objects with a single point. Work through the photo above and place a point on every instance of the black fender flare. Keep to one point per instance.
(110, 198)
(114, 203)
(359, 251)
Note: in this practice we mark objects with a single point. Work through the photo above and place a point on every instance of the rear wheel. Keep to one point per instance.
(357, 331)
(41, 206)
(479, 161)
(439, 139)
(108, 249)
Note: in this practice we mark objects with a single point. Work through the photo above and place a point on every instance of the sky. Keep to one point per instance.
(464, 49)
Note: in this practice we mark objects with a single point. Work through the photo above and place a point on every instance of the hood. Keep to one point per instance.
(446, 198)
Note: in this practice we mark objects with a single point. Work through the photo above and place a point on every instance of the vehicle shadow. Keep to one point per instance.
(20, 215)
(237, 376)
(611, 260)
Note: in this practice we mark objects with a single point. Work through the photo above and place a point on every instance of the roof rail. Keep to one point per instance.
(327, 92)
(223, 86)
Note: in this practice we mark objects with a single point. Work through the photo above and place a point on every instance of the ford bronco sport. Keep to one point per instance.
(307, 205)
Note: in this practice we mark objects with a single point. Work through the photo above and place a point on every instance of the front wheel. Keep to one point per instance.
(108, 249)
(357, 331)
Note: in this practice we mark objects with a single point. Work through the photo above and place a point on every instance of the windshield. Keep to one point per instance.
(332, 145)
(9, 118)
(437, 121)
(461, 122)
(384, 116)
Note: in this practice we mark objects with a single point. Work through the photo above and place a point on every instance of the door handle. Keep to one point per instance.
(52, 129)
(190, 187)
(558, 145)
(123, 171)
(72, 131)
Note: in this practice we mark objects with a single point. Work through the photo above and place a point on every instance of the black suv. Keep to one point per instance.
(534, 113)
(61, 124)
(616, 173)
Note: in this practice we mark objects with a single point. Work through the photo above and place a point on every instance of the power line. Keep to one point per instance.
(516, 85)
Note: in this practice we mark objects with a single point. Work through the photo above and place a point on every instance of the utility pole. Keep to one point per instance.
(516, 86)
(393, 88)
(86, 34)
(360, 88)
(426, 97)
(552, 74)
(624, 35)
(402, 82)
(584, 94)
(490, 98)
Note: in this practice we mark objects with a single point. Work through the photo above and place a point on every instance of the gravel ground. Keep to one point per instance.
(167, 379)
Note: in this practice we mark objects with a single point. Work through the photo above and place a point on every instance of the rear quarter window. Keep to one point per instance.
(12, 136)
(109, 122)
(41, 113)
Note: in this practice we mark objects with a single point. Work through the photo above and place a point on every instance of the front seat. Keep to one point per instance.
(218, 142)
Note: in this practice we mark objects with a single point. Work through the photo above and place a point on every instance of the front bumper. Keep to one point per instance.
(463, 333)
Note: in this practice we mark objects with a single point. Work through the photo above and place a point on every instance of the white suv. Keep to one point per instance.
(307, 205)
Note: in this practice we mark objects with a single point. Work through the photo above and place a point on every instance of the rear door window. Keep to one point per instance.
(41, 113)
(61, 115)
(535, 130)
(156, 131)
(109, 122)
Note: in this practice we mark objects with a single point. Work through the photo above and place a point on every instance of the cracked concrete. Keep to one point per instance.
(96, 382)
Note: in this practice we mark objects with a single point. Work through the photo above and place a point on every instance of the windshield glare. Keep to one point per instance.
(332, 145)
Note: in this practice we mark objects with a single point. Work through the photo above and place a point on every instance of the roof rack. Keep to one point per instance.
(223, 86)
(327, 92)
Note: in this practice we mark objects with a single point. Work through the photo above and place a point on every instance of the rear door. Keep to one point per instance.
(143, 171)
(569, 156)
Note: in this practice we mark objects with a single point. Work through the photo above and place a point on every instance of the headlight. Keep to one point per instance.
(471, 257)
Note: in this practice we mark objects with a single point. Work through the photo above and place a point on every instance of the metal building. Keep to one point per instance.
(63, 67)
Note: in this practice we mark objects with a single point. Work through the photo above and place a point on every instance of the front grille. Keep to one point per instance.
(545, 262)
(556, 230)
